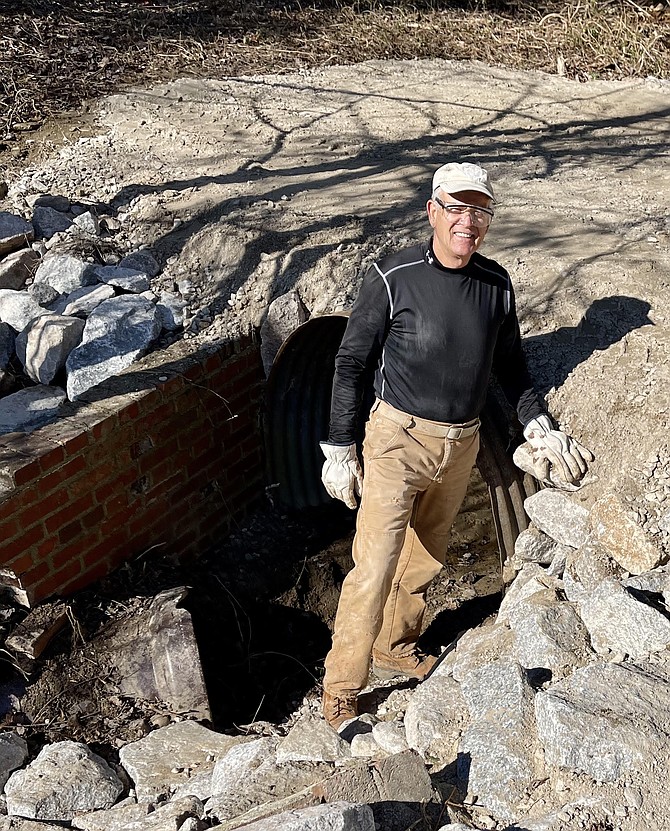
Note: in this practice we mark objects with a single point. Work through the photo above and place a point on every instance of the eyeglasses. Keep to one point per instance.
(480, 216)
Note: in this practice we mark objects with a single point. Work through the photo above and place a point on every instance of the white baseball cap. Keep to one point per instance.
(455, 177)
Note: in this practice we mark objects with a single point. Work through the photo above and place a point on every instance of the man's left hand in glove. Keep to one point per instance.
(557, 457)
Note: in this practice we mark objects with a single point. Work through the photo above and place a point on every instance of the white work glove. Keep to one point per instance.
(341, 475)
(557, 457)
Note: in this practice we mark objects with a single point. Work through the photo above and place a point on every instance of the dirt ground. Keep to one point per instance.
(253, 186)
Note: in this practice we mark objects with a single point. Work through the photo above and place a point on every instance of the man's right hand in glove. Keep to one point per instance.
(341, 475)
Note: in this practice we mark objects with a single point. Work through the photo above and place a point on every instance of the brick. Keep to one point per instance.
(112, 549)
(121, 481)
(31, 578)
(105, 427)
(44, 549)
(129, 413)
(70, 532)
(92, 479)
(172, 386)
(72, 511)
(22, 543)
(74, 445)
(116, 504)
(93, 518)
(212, 363)
(56, 583)
(27, 473)
(17, 500)
(63, 556)
(42, 509)
(52, 480)
(9, 529)
(52, 458)
(158, 414)
(22, 562)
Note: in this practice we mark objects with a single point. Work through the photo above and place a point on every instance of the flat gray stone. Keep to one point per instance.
(560, 516)
(390, 736)
(169, 816)
(155, 655)
(49, 200)
(88, 223)
(533, 546)
(618, 622)
(391, 780)
(44, 345)
(65, 779)
(141, 260)
(586, 569)
(655, 582)
(496, 752)
(13, 754)
(49, 221)
(364, 746)
(65, 273)
(16, 267)
(269, 789)
(606, 720)
(531, 579)
(45, 295)
(30, 408)
(166, 758)
(18, 308)
(499, 693)
(311, 739)
(117, 332)
(549, 634)
(335, 816)
(171, 311)
(81, 302)
(623, 538)
(435, 718)
(481, 646)
(113, 819)
(128, 279)
(497, 766)
(15, 232)
(238, 764)
(284, 315)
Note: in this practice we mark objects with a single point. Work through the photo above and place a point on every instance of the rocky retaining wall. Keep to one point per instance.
(165, 465)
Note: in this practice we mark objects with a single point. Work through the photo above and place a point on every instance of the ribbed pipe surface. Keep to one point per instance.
(297, 408)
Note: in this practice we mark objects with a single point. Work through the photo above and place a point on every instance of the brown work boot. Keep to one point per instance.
(338, 708)
(415, 665)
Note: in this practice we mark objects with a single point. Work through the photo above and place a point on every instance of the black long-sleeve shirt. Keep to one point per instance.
(432, 335)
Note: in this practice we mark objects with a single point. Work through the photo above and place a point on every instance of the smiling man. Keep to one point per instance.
(433, 322)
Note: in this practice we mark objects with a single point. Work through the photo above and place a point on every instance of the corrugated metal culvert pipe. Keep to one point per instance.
(298, 405)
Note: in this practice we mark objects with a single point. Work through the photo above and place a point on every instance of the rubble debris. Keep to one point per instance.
(32, 636)
(156, 656)
(64, 779)
(168, 757)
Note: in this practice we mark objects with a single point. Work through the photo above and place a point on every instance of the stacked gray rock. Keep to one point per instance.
(62, 314)
(553, 715)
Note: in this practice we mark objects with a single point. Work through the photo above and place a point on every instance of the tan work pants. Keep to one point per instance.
(415, 481)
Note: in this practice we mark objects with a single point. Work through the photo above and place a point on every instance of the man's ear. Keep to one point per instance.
(431, 210)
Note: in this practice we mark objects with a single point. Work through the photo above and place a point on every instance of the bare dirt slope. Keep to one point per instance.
(252, 186)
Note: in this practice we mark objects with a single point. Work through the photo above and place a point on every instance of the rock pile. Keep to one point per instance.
(73, 311)
(555, 715)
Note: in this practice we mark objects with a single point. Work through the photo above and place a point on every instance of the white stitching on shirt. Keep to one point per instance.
(507, 302)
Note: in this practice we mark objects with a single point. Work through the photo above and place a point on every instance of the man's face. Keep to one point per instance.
(455, 239)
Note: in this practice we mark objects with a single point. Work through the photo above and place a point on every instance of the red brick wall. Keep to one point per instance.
(167, 465)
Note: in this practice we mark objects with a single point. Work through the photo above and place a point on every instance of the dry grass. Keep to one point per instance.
(55, 55)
